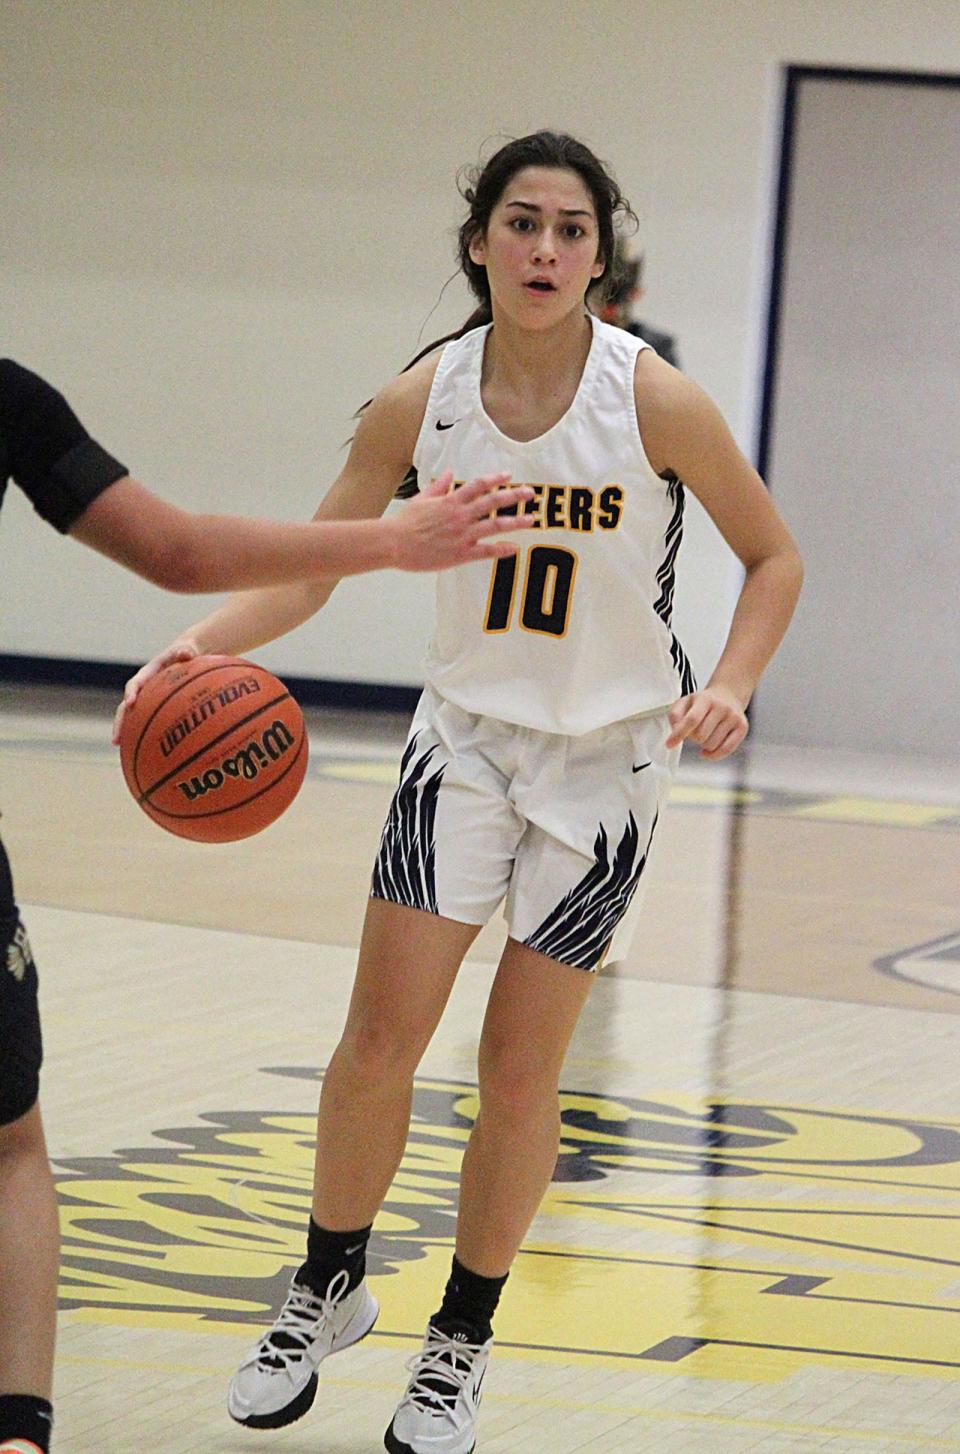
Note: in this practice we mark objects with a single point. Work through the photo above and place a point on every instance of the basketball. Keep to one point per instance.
(214, 749)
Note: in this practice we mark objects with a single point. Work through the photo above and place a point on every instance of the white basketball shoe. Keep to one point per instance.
(277, 1381)
(438, 1412)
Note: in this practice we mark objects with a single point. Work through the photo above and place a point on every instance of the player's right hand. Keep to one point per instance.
(182, 649)
(444, 526)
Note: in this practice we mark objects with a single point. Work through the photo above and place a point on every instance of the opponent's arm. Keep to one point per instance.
(684, 431)
(439, 526)
(379, 457)
(86, 493)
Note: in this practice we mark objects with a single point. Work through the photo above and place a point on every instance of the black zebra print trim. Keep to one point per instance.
(666, 580)
(579, 930)
(405, 870)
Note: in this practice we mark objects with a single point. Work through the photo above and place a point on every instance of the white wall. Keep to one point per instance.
(227, 221)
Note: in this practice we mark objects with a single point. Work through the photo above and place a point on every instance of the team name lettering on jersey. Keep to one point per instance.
(571, 507)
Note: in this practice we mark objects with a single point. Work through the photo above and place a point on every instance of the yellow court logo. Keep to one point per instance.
(724, 1239)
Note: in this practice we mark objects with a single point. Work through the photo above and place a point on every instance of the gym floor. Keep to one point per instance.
(751, 1243)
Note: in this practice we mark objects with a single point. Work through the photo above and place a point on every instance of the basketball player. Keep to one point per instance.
(82, 491)
(539, 759)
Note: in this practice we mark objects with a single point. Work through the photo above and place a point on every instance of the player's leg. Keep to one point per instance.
(510, 1157)
(591, 806)
(443, 865)
(512, 1151)
(29, 1253)
(29, 1233)
(407, 965)
(591, 821)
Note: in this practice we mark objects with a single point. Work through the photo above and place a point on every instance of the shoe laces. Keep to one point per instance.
(441, 1371)
(295, 1329)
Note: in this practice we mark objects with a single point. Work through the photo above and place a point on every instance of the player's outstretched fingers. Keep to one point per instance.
(481, 489)
(495, 548)
(440, 486)
(501, 511)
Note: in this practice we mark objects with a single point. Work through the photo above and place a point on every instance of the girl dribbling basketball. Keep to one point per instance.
(540, 757)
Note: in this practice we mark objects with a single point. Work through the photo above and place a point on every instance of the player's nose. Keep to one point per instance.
(545, 247)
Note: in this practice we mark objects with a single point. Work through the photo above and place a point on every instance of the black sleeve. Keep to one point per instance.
(46, 449)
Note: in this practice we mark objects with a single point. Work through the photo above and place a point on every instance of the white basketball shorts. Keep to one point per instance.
(559, 826)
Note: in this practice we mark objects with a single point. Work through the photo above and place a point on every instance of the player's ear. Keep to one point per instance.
(599, 267)
(476, 249)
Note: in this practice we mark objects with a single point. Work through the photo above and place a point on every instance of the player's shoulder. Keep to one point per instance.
(675, 413)
(408, 392)
(390, 424)
(664, 393)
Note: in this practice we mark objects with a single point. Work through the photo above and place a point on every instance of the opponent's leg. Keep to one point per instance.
(29, 1230)
(29, 1256)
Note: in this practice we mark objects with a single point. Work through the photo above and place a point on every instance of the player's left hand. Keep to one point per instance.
(713, 718)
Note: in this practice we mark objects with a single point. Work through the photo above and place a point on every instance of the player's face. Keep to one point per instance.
(540, 247)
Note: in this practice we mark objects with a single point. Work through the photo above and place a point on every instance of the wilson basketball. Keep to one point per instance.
(214, 749)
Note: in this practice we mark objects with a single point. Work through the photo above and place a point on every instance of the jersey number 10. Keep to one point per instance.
(545, 596)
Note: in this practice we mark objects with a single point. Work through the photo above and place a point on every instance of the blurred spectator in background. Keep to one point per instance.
(623, 294)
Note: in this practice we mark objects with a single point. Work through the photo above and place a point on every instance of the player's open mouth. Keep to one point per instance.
(540, 285)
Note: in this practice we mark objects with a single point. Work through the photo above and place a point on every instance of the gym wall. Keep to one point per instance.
(227, 225)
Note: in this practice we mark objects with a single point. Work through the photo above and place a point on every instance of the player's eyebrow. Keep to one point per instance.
(564, 211)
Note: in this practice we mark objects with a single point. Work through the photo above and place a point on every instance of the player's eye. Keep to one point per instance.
(521, 224)
(573, 231)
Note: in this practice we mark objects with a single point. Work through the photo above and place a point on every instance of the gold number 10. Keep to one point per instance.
(547, 591)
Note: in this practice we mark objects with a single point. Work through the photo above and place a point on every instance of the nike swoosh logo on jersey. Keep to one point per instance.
(441, 425)
(641, 767)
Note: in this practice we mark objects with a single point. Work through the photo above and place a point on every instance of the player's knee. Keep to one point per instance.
(21, 1135)
(514, 1084)
(380, 1053)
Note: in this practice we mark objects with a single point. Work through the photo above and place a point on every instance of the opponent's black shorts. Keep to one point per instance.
(21, 1046)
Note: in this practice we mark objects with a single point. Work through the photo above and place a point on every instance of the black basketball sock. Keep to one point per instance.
(23, 1416)
(469, 1301)
(329, 1253)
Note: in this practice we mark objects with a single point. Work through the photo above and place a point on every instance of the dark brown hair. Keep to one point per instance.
(482, 189)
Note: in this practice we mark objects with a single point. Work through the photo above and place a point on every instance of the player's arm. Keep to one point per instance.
(684, 431)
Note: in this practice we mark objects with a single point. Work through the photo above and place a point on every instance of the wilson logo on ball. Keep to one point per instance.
(213, 748)
(248, 763)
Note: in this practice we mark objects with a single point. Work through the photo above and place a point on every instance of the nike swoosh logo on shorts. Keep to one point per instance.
(641, 767)
(441, 425)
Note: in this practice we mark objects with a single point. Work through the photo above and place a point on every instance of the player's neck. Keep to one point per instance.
(518, 360)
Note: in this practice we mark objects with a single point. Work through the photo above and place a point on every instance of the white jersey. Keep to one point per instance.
(573, 632)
